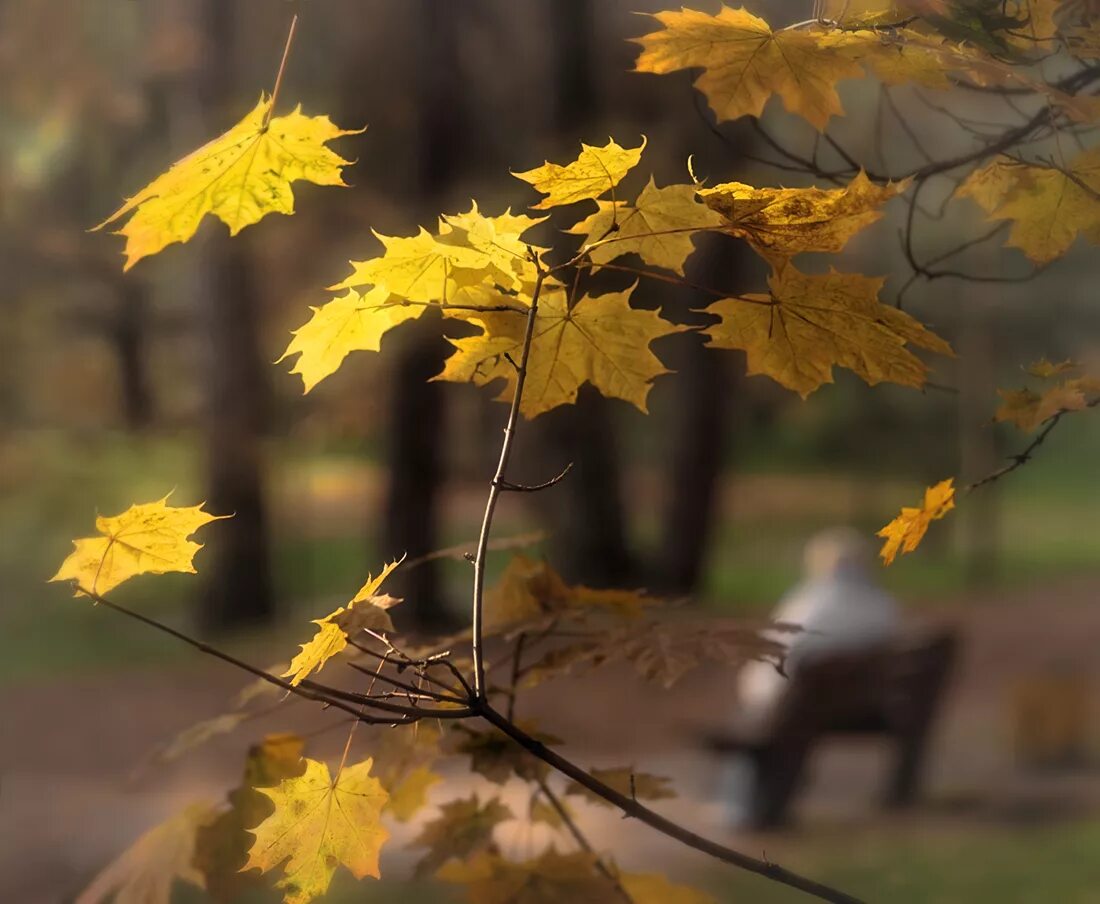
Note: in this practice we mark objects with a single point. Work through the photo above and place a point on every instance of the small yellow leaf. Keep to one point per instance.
(906, 531)
(146, 871)
(410, 795)
(782, 222)
(1045, 369)
(320, 822)
(594, 173)
(659, 227)
(239, 177)
(602, 341)
(150, 538)
(366, 610)
(350, 323)
(653, 888)
(1028, 410)
(744, 63)
(809, 324)
(1048, 208)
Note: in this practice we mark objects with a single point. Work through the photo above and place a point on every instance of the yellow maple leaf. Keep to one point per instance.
(499, 240)
(602, 341)
(782, 222)
(353, 322)
(1049, 208)
(146, 871)
(150, 538)
(1028, 409)
(906, 531)
(239, 177)
(410, 795)
(1045, 369)
(744, 63)
(530, 589)
(320, 822)
(595, 172)
(809, 324)
(653, 888)
(366, 610)
(491, 879)
(659, 227)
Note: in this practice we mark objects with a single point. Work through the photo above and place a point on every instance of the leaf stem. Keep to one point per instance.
(282, 68)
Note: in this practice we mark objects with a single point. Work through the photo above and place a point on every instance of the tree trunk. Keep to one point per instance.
(238, 589)
(416, 409)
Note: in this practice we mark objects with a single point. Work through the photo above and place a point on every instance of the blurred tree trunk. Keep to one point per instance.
(417, 419)
(586, 513)
(701, 421)
(129, 334)
(238, 589)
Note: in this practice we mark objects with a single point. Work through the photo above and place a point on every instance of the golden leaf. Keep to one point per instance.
(744, 63)
(1045, 369)
(594, 173)
(366, 610)
(150, 538)
(1028, 410)
(221, 847)
(638, 785)
(809, 324)
(491, 879)
(353, 322)
(530, 589)
(1048, 208)
(906, 531)
(146, 871)
(318, 823)
(602, 341)
(659, 227)
(463, 828)
(782, 222)
(653, 888)
(410, 795)
(494, 755)
(239, 177)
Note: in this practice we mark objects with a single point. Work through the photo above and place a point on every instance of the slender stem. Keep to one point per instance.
(578, 836)
(282, 67)
(654, 820)
(495, 489)
(320, 695)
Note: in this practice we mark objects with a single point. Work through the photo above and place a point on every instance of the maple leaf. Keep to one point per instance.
(410, 795)
(530, 589)
(146, 871)
(1045, 369)
(318, 823)
(495, 756)
(221, 847)
(602, 341)
(744, 63)
(595, 172)
(782, 222)
(491, 879)
(906, 531)
(353, 322)
(809, 324)
(1027, 409)
(149, 538)
(1048, 208)
(659, 227)
(366, 610)
(239, 177)
(463, 828)
(636, 785)
(198, 734)
(653, 888)
(499, 239)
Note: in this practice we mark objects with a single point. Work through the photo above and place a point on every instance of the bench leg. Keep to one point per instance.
(778, 777)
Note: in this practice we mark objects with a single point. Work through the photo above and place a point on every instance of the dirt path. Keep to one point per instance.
(69, 797)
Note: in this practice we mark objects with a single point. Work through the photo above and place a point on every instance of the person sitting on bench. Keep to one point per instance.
(839, 609)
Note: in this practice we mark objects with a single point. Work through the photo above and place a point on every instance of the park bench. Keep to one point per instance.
(892, 692)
